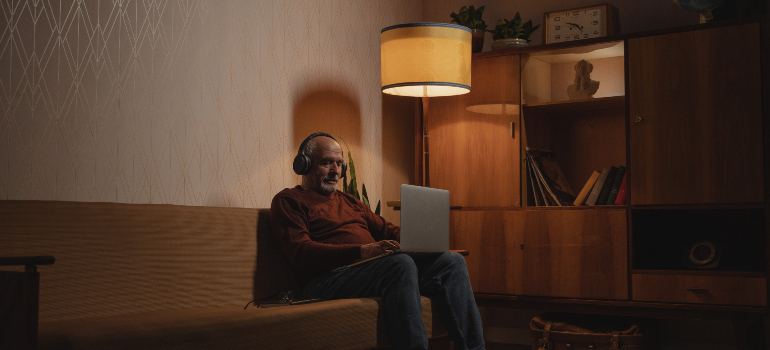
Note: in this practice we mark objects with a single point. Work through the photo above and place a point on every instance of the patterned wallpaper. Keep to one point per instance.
(194, 102)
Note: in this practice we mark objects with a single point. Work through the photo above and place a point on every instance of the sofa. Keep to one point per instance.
(153, 276)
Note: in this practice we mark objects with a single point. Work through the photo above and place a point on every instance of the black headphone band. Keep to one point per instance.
(312, 136)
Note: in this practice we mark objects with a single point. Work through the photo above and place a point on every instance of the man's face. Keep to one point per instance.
(326, 166)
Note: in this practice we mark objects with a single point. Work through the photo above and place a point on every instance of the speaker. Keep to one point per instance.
(302, 161)
(703, 254)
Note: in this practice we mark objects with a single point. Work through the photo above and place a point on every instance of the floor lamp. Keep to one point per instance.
(425, 60)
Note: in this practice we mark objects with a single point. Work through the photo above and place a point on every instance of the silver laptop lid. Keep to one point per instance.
(424, 219)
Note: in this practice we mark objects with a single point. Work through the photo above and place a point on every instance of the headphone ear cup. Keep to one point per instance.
(301, 164)
(344, 169)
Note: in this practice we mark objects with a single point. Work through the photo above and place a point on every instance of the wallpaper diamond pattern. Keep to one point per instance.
(195, 102)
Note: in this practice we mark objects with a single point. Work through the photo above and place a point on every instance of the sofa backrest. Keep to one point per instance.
(114, 259)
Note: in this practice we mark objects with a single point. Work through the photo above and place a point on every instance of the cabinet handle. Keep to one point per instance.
(522, 246)
(638, 119)
(697, 290)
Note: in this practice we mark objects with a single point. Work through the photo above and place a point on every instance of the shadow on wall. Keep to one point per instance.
(398, 136)
(398, 156)
(330, 110)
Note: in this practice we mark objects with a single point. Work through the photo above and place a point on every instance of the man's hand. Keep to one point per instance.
(378, 248)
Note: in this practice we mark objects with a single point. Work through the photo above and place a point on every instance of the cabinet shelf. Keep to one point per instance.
(577, 106)
(665, 239)
(746, 274)
(534, 208)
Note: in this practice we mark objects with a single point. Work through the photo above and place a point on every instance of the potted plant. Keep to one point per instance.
(513, 33)
(471, 17)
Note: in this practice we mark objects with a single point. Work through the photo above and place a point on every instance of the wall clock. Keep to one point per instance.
(580, 23)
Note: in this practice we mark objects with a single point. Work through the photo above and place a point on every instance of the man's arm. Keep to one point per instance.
(380, 228)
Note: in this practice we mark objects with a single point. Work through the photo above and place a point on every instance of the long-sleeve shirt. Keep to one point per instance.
(318, 233)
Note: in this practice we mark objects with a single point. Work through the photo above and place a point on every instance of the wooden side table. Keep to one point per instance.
(19, 301)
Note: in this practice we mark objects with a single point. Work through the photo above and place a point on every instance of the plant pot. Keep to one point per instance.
(508, 43)
(477, 37)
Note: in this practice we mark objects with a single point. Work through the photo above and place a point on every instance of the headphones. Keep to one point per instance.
(302, 161)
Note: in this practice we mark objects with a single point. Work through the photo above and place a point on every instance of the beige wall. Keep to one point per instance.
(193, 102)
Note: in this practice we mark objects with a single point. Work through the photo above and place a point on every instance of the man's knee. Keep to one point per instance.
(453, 260)
(402, 264)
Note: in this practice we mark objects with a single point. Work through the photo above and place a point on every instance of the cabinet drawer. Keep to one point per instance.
(722, 290)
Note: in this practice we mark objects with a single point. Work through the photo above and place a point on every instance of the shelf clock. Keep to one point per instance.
(580, 23)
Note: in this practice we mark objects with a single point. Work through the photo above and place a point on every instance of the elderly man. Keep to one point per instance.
(322, 231)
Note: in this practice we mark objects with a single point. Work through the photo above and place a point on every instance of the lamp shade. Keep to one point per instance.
(426, 59)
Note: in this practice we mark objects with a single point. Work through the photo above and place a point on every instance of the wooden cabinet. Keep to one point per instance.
(571, 253)
(696, 117)
(716, 290)
(488, 237)
(684, 115)
(476, 155)
(557, 253)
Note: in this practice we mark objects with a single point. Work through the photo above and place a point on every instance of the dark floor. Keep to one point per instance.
(498, 346)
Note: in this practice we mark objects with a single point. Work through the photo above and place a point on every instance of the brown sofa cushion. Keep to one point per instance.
(114, 259)
(336, 324)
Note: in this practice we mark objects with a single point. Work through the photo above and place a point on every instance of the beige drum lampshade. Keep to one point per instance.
(426, 59)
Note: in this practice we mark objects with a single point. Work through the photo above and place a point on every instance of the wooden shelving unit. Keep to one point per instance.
(682, 110)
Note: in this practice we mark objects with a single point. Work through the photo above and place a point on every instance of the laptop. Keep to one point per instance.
(424, 219)
(424, 222)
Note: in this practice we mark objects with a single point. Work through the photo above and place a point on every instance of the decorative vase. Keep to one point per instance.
(508, 43)
(477, 37)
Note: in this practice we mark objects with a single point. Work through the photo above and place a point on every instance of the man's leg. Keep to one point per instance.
(445, 279)
(394, 278)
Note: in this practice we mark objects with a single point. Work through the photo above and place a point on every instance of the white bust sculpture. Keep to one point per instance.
(583, 87)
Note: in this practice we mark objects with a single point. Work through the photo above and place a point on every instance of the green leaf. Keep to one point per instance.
(470, 17)
(353, 188)
(365, 198)
(515, 28)
(351, 167)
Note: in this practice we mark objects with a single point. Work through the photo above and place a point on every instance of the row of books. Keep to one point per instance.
(605, 188)
(550, 187)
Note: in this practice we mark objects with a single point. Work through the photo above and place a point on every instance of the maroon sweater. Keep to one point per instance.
(319, 233)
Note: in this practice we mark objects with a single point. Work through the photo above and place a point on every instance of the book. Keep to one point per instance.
(616, 185)
(605, 193)
(597, 187)
(551, 176)
(544, 198)
(533, 184)
(622, 198)
(581, 198)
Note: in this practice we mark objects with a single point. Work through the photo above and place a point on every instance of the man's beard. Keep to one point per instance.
(328, 189)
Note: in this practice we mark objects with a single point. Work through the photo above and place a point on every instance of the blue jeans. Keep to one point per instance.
(400, 280)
